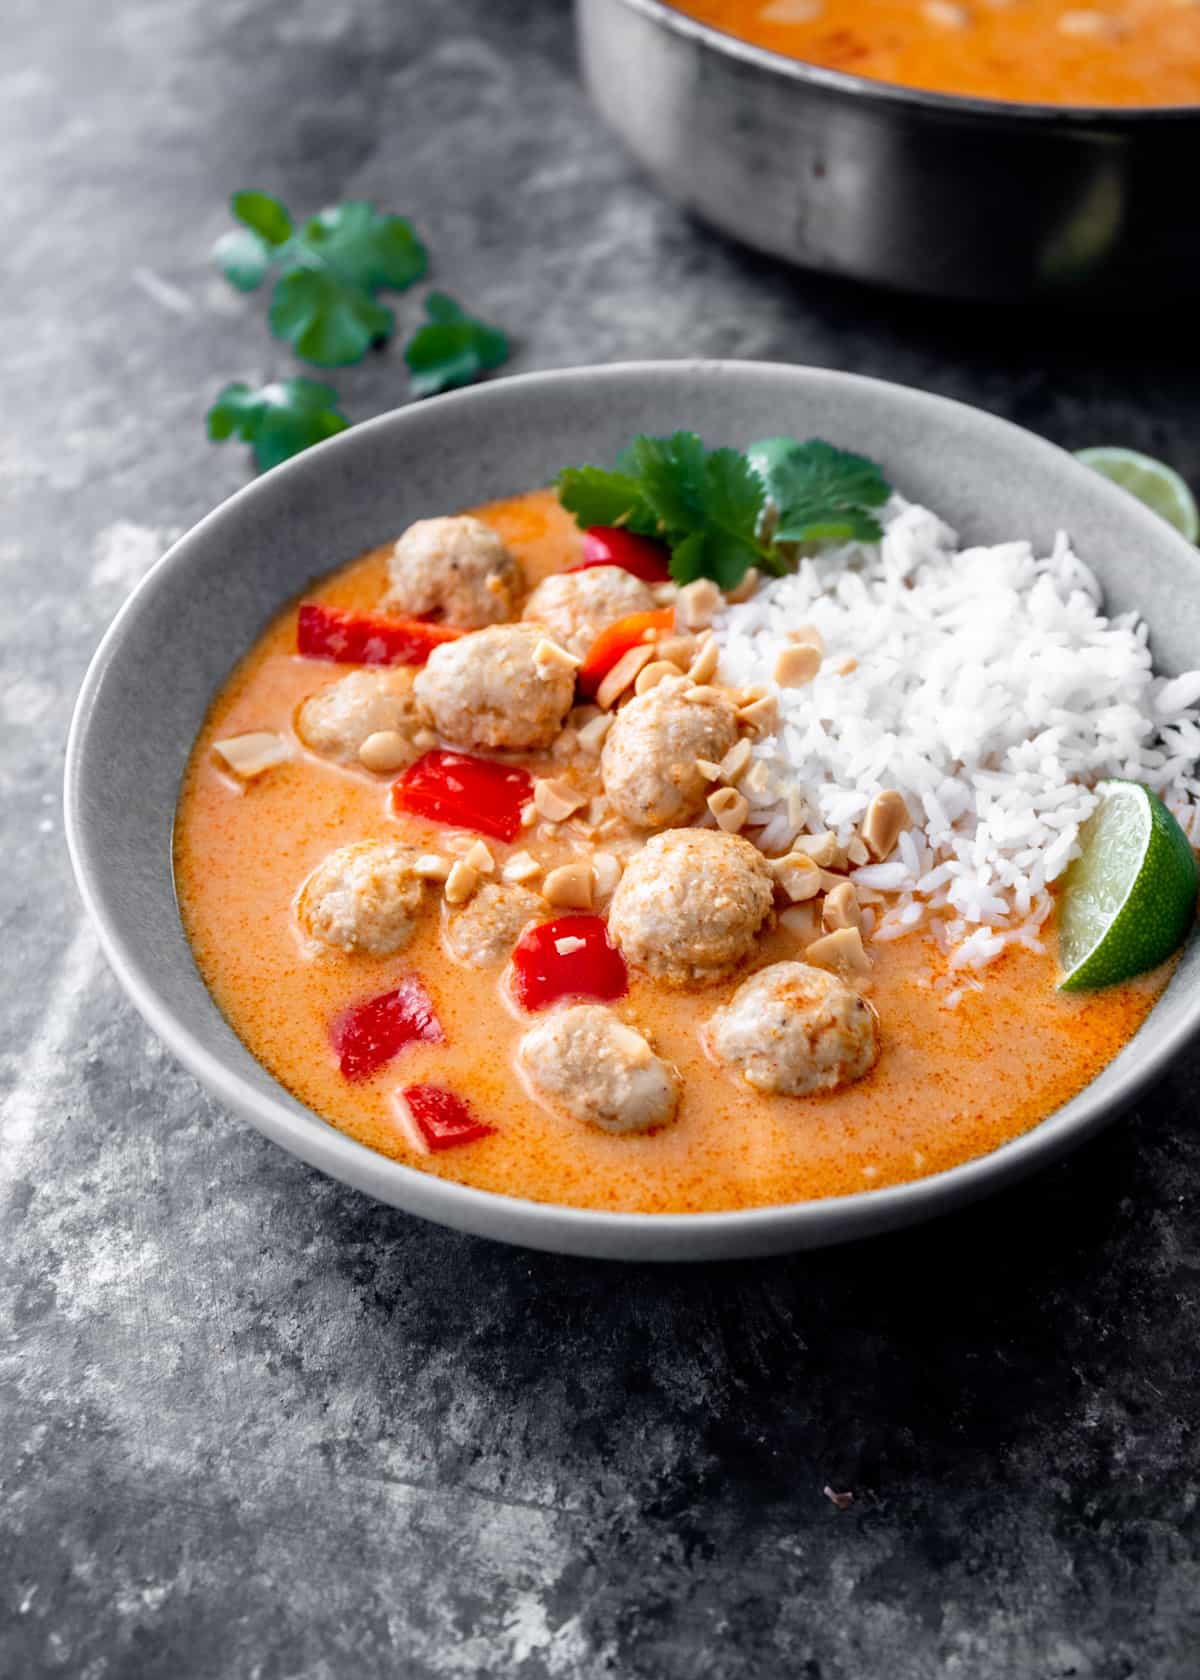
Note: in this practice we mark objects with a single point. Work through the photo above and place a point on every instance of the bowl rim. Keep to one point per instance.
(1018, 112)
(599, 1233)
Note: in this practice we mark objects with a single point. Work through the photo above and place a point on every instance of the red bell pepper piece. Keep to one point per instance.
(609, 545)
(358, 639)
(465, 791)
(442, 1118)
(370, 1033)
(612, 644)
(568, 957)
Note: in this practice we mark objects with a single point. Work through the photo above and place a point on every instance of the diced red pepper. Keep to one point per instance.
(370, 1033)
(359, 639)
(442, 1118)
(465, 791)
(609, 545)
(568, 957)
(612, 644)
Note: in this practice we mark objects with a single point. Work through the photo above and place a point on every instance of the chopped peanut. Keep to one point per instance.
(842, 949)
(591, 736)
(250, 755)
(735, 760)
(710, 771)
(730, 808)
(807, 635)
(384, 751)
(798, 876)
(664, 594)
(760, 716)
(845, 666)
(708, 656)
(521, 866)
(480, 858)
(800, 920)
(579, 717)
(569, 887)
(703, 695)
(840, 909)
(623, 675)
(556, 800)
(431, 867)
(549, 658)
(680, 650)
(757, 778)
(461, 882)
(697, 604)
(856, 852)
(797, 666)
(821, 848)
(606, 872)
(651, 675)
(887, 816)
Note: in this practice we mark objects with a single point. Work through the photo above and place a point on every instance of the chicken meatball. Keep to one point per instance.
(483, 932)
(649, 758)
(587, 1062)
(576, 606)
(508, 686)
(792, 1029)
(340, 717)
(690, 904)
(364, 897)
(454, 569)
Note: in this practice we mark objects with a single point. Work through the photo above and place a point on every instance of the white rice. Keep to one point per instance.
(990, 690)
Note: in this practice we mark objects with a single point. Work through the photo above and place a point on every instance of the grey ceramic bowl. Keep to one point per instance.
(202, 606)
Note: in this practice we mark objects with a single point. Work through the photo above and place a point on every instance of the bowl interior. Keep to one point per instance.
(203, 605)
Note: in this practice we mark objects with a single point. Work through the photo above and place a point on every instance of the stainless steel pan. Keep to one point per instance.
(956, 197)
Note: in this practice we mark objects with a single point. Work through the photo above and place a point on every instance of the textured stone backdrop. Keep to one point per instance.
(254, 1425)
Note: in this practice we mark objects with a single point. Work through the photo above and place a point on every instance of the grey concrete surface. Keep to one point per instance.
(252, 1424)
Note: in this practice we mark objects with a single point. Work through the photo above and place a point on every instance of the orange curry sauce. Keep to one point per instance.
(1052, 52)
(949, 1084)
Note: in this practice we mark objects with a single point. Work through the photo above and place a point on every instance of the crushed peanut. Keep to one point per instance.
(570, 886)
(800, 920)
(845, 666)
(797, 875)
(703, 695)
(461, 882)
(887, 817)
(708, 656)
(856, 852)
(757, 779)
(807, 635)
(425, 740)
(606, 872)
(697, 604)
(480, 858)
(385, 750)
(821, 848)
(591, 736)
(521, 866)
(623, 674)
(556, 800)
(431, 867)
(549, 658)
(250, 755)
(842, 949)
(710, 771)
(760, 716)
(651, 675)
(797, 665)
(840, 909)
(735, 760)
(680, 650)
(730, 808)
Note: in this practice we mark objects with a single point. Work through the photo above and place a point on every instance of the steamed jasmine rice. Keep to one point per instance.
(988, 687)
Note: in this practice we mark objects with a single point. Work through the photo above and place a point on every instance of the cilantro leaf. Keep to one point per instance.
(330, 270)
(822, 494)
(599, 497)
(451, 348)
(277, 420)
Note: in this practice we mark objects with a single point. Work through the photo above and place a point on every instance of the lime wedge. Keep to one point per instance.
(1159, 486)
(1129, 900)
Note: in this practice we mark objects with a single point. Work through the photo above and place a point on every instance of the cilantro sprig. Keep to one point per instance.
(721, 512)
(330, 271)
(277, 420)
(451, 348)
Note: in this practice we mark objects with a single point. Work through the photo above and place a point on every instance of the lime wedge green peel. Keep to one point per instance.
(1159, 486)
(1129, 899)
